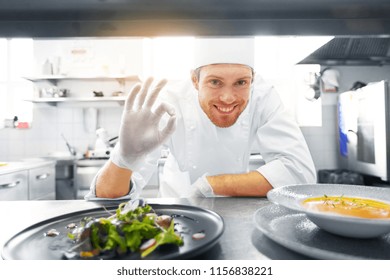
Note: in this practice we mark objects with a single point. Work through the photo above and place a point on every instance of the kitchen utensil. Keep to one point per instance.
(98, 93)
(112, 141)
(72, 151)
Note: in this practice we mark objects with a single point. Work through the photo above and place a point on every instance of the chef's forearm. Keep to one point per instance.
(247, 184)
(113, 181)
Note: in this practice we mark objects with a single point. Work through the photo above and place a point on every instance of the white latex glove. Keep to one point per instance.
(139, 131)
(201, 188)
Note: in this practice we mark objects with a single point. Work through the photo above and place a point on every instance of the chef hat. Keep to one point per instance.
(224, 50)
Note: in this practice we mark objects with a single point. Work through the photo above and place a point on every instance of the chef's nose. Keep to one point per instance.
(227, 95)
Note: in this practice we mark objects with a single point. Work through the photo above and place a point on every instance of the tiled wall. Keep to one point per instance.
(322, 141)
(49, 123)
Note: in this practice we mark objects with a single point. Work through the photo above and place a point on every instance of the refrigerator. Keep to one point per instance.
(364, 127)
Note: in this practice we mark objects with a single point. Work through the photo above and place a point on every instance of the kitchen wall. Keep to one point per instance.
(322, 140)
(50, 122)
(44, 137)
(90, 56)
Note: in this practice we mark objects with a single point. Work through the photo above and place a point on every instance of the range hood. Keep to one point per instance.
(352, 51)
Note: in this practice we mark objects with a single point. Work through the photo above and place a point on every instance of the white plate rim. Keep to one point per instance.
(290, 196)
(296, 246)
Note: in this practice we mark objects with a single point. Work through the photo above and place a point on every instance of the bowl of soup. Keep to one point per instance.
(345, 210)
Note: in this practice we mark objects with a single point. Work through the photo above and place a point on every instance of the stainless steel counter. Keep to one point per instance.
(15, 166)
(240, 240)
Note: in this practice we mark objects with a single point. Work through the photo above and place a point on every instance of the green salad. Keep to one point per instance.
(131, 229)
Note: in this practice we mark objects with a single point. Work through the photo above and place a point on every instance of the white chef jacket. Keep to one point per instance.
(198, 146)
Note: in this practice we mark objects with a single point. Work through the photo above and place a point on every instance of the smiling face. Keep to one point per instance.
(223, 91)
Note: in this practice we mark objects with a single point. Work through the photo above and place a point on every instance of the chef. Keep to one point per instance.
(209, 126)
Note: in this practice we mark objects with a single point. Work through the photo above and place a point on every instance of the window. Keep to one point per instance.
(16, 61)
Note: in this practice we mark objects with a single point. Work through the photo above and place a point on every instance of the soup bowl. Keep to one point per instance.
(355, 225)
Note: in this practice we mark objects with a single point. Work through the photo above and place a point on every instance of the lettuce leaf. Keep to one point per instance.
(168, 236)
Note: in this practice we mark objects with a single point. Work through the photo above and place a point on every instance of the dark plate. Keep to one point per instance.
(32, 244)
(296, 232)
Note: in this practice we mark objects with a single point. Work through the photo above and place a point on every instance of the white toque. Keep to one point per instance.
(224, 50)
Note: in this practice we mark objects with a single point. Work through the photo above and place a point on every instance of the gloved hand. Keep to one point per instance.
(139, 131)
(201, 188)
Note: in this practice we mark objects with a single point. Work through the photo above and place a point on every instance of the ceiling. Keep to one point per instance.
(101, 18)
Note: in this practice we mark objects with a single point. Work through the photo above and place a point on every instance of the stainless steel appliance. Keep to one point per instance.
(85, 171)
(364, 127)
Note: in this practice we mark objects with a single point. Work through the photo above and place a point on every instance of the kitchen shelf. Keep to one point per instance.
(80, 101)
(76, 99)
(85, 100)
(55, 78)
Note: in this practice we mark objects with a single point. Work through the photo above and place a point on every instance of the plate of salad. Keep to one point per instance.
(130, 230)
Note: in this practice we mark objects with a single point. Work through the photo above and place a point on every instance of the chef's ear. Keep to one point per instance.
(195, 79)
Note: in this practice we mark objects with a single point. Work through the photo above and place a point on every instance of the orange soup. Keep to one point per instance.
(350, 206)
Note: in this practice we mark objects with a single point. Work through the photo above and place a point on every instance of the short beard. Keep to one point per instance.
(223, 124)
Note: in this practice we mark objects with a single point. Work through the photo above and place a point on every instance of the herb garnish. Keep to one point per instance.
(123, 232)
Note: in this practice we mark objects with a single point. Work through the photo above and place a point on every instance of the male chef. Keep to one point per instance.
(209, 126)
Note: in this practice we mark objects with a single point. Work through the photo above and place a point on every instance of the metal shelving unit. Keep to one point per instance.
(104, 101)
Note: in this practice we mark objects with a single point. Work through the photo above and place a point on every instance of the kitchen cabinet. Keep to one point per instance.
(57, 81)
(14, 186)
(41, 183)
(28, 181)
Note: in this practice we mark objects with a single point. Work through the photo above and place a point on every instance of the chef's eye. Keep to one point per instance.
(242, 83)
(215, 83)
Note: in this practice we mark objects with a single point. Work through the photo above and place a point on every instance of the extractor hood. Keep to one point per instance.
(352, 51)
